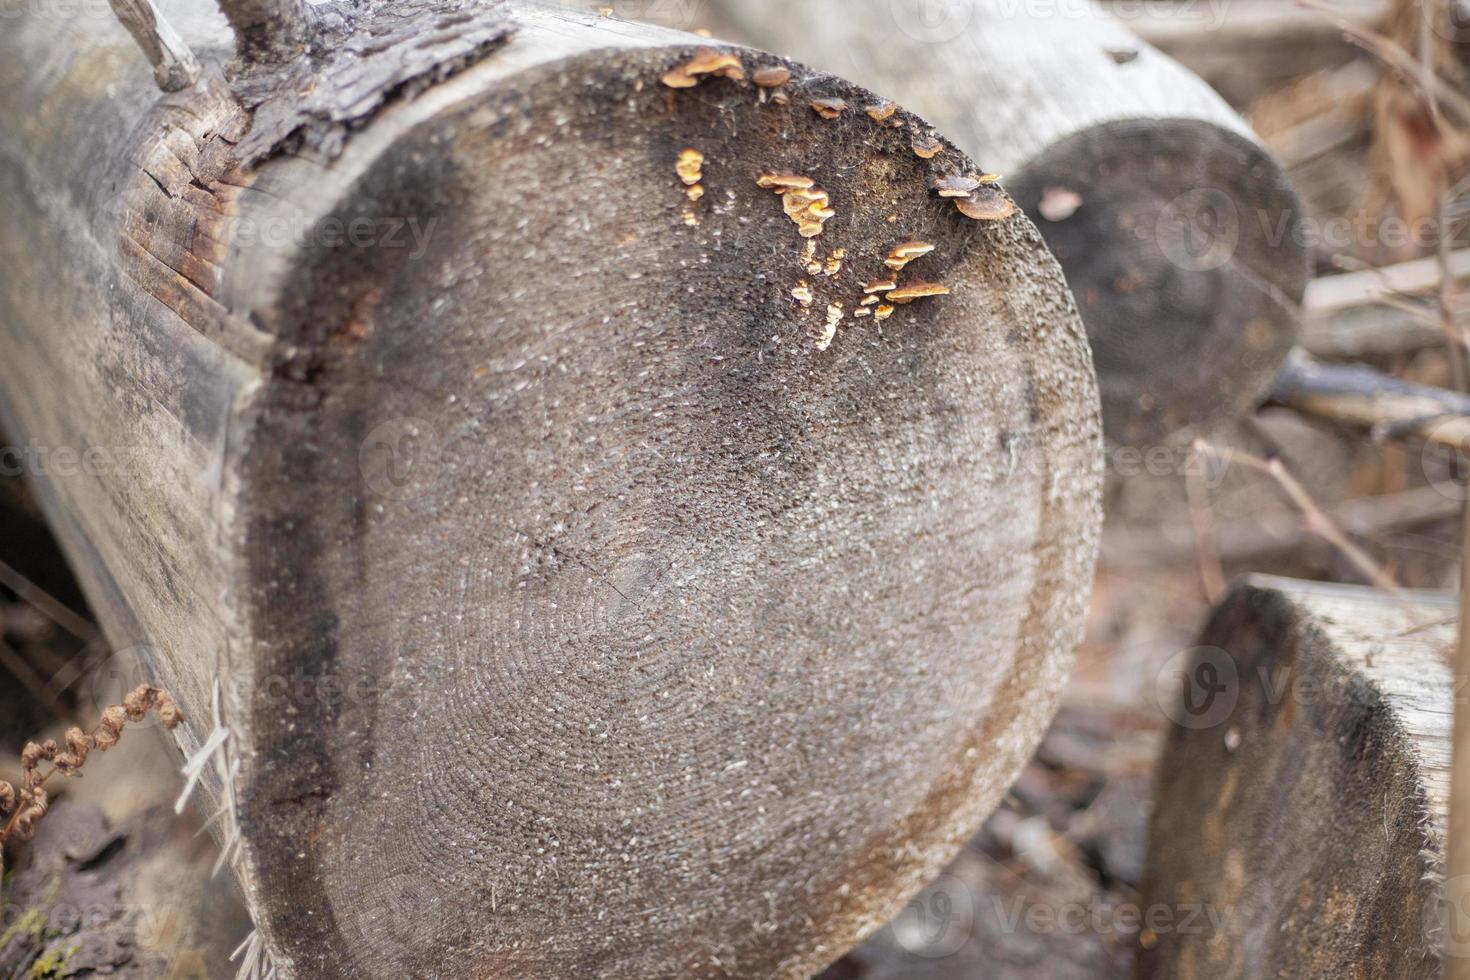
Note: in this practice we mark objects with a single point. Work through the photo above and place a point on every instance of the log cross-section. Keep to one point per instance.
(1299, 828)
(1178, 231)
(596, 579)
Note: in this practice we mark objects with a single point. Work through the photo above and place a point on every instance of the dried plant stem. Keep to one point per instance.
(1212, 574)
(174, 65)
(30, 803)
(1356, 395)
(43, 603)
(1315, 518)
(1430, 85)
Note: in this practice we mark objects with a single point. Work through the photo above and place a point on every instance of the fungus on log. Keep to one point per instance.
(1302, 797)
(558, 595)
(1178, 232)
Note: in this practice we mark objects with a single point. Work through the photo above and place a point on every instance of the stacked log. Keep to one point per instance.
(489, 435)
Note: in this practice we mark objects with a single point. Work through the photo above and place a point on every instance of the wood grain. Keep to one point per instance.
(1178, 232)
(574, 612)
(1307, 819)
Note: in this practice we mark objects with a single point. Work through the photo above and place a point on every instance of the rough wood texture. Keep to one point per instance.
(574, 612)
(174, 65)
(1177, 231)
(1304, 805)
(270, 30)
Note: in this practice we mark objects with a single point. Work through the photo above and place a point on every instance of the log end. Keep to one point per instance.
(1181, 241)
(631, 592)
(1302, 796)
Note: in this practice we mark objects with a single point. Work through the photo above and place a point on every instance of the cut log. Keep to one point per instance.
(559, 593)
(1302, 797)
(1177, 230)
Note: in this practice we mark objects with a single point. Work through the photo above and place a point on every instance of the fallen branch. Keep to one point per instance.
(1328, 294)
(1361, 396)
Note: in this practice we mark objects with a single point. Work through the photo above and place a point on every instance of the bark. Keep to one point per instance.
(1301, 810)
(1177, 230)
(575, 603)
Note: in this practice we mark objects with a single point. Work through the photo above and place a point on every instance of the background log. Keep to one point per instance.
(1302, 805)
(559, 595)
(1178, 232)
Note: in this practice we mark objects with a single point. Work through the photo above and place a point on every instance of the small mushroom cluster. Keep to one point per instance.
(706, 63)
(977, 196)
(805, 203)
(829, 329)
(829, 108)
(887, 289)
(883, 112)
(690, 167)
(769, 82)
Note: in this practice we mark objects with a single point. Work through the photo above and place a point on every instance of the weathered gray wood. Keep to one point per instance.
(577, 604)
(174, 65)
(269, 30)
(1301, 809)
(1177, 230)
